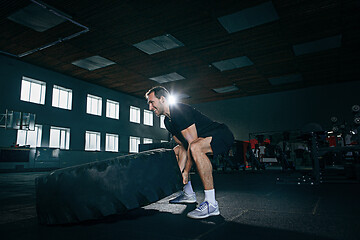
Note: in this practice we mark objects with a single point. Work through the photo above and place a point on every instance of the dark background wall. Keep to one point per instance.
(285, 111)
(11, 73)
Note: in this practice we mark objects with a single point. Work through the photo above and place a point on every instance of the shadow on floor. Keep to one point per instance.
(148, 224)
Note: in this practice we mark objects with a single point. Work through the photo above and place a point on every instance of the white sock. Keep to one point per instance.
(210, 196)
(188, 188)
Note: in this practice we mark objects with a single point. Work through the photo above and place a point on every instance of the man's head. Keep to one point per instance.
(158, 91)
(157, 100)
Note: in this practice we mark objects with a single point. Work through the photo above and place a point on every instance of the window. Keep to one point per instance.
(112, 143)
(147, 140)
(32, 138)
(62, 97)
(32, 91)
(148, 117)
(112, 109)
(134, 114)
(92, 141)
(59, 138)
(134, 144)
(94, 105)
(162, 119)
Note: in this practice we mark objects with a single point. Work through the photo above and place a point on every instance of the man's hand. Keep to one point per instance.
(185, 176)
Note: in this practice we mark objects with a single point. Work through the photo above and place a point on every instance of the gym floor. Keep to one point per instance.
(252, 206)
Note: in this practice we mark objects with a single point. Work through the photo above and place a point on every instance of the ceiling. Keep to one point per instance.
(115, 26)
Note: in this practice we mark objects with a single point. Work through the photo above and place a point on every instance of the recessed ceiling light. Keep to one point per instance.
(36, 17)
(249, 17)
(226, 89)
(318, 45)
(233, 63)
(93, 63)
(158, 44)
(285, 79)
(171, 77)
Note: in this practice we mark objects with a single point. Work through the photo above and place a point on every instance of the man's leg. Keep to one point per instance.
(188, 194)
(199, 148)
(181, 156)
(184, 165)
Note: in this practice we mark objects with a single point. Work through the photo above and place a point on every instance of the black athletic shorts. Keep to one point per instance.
(222, 139)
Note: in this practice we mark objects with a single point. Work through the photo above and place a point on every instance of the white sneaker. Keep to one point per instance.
(205, 210)
(184, 198)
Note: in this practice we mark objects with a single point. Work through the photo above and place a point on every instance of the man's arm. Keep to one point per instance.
(181, 154)
(190, 134)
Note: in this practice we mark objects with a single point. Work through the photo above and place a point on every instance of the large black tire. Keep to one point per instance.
(95, 190)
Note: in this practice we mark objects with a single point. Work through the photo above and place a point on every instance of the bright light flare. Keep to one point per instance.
(172, 99)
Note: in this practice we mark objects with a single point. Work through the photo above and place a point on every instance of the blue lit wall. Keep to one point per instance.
(11, 72)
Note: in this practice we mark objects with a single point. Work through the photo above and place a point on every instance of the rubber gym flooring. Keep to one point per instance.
(252, 206)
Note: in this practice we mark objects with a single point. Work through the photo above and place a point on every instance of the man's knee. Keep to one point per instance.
(201, 146)
(176, 150)
(196, 148)
(179, 151)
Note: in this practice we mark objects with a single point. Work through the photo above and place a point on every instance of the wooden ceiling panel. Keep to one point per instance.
(114, 26)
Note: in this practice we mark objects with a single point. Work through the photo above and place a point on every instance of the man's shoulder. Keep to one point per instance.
(181, 110)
